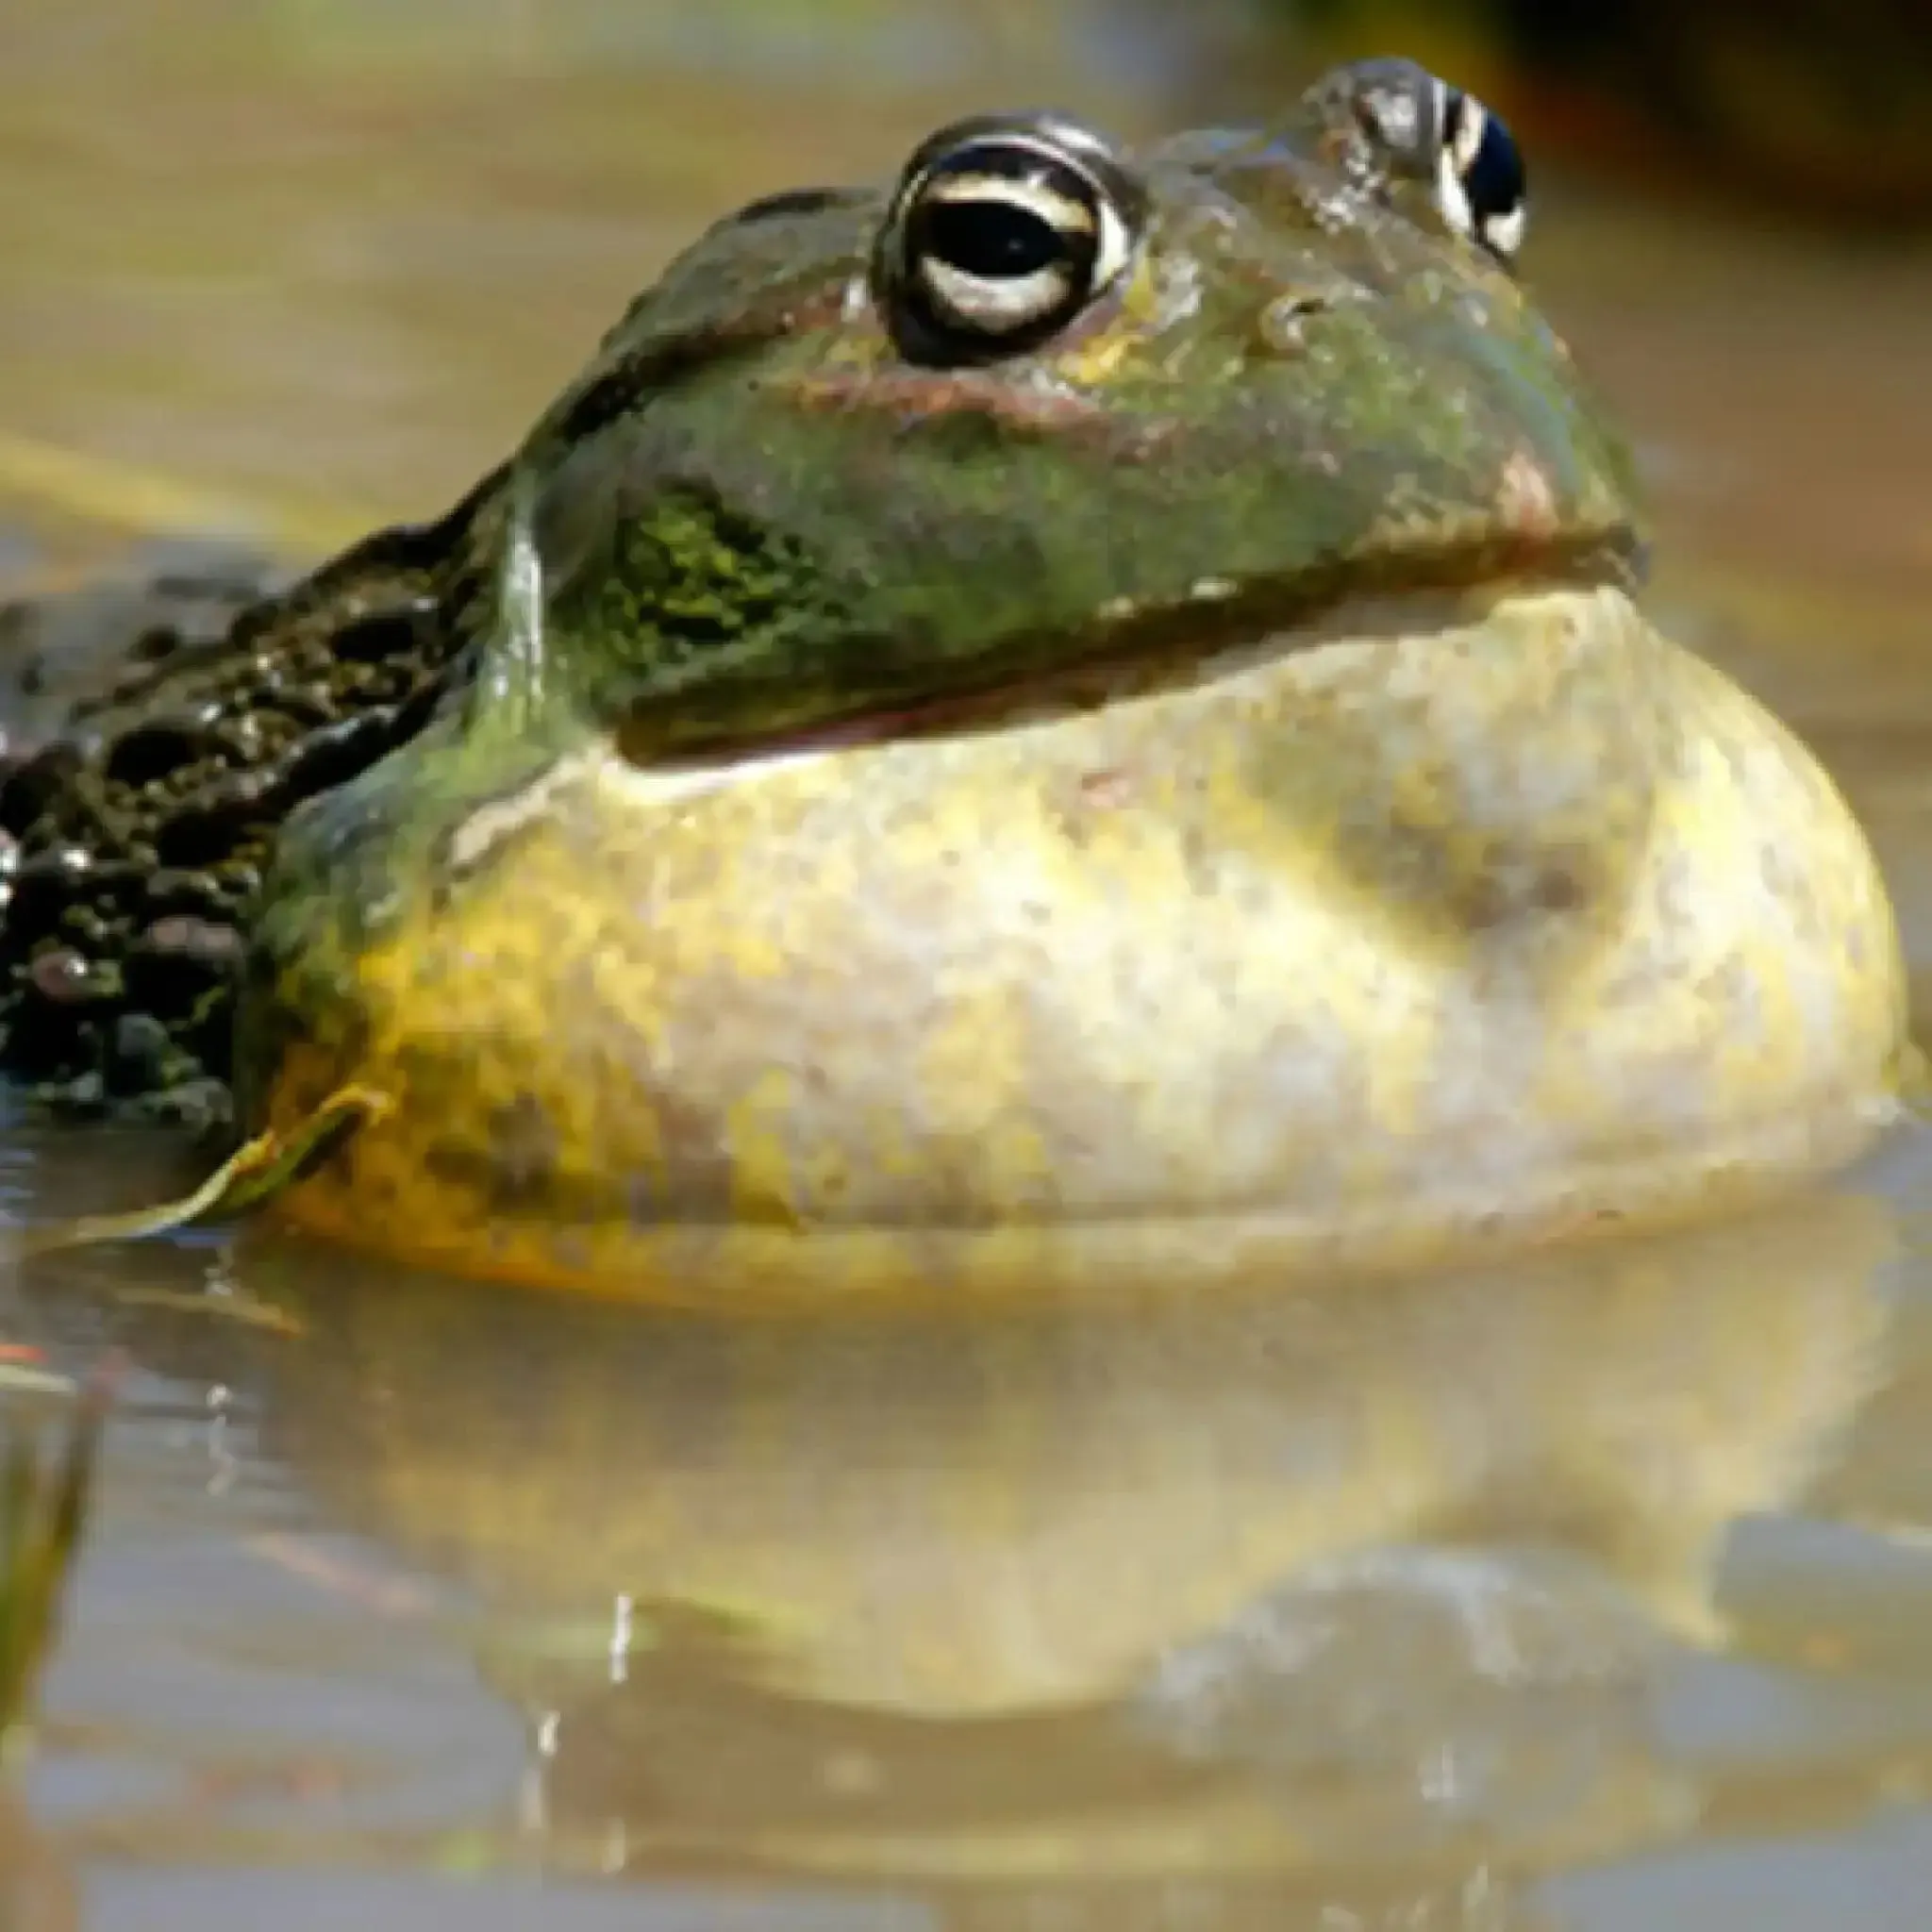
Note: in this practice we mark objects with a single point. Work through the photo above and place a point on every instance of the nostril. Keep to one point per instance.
(1283, 323)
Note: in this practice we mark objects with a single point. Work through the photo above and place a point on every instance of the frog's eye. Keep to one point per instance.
(1481, 186)
(1400, 123)
(1001, 232)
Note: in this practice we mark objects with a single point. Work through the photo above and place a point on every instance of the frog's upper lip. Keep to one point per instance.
(1220, 630)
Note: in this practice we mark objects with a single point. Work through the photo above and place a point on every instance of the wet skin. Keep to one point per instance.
(1079, 716)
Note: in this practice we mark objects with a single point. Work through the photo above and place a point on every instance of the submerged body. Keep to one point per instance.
(1082, 717)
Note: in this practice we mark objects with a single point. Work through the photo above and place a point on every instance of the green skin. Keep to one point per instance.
(752, 517)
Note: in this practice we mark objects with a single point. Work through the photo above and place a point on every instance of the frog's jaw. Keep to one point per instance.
(1364, 953)
(1141, 655)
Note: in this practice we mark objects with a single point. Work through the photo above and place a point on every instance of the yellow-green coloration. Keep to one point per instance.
(1195, 799)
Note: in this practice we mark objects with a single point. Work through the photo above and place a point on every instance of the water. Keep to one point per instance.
(1514, 1598)
(1590, 1594)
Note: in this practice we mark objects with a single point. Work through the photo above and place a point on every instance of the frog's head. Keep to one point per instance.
(1046, 404)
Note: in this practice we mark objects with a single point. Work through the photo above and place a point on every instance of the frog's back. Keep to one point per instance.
(159, 731)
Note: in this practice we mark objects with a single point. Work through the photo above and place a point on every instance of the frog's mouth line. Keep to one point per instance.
(1143, 654)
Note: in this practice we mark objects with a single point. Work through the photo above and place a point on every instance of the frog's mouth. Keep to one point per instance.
(1137, 655)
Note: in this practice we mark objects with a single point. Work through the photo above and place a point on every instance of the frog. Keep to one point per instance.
(1084, 714)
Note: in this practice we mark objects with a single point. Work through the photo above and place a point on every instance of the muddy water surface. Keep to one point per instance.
(1592, 1594)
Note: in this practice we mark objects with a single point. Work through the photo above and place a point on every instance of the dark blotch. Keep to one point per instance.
(179, 960)
(29, 787)
(44, 887)
(337, 753)
(158, 643)
(385, 636)
(155, 749)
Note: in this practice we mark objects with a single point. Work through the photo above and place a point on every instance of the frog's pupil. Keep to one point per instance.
(1495, 180)
(992, 238)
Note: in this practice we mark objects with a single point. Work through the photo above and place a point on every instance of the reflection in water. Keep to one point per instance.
(1314, 1585)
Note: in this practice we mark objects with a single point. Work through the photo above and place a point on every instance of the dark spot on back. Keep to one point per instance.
(154, 749)
(382, 636)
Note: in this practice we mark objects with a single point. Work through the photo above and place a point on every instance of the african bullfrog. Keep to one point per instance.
(1079, 715)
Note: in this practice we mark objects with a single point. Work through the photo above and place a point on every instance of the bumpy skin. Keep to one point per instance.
(1196, 798)
(156, 735)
